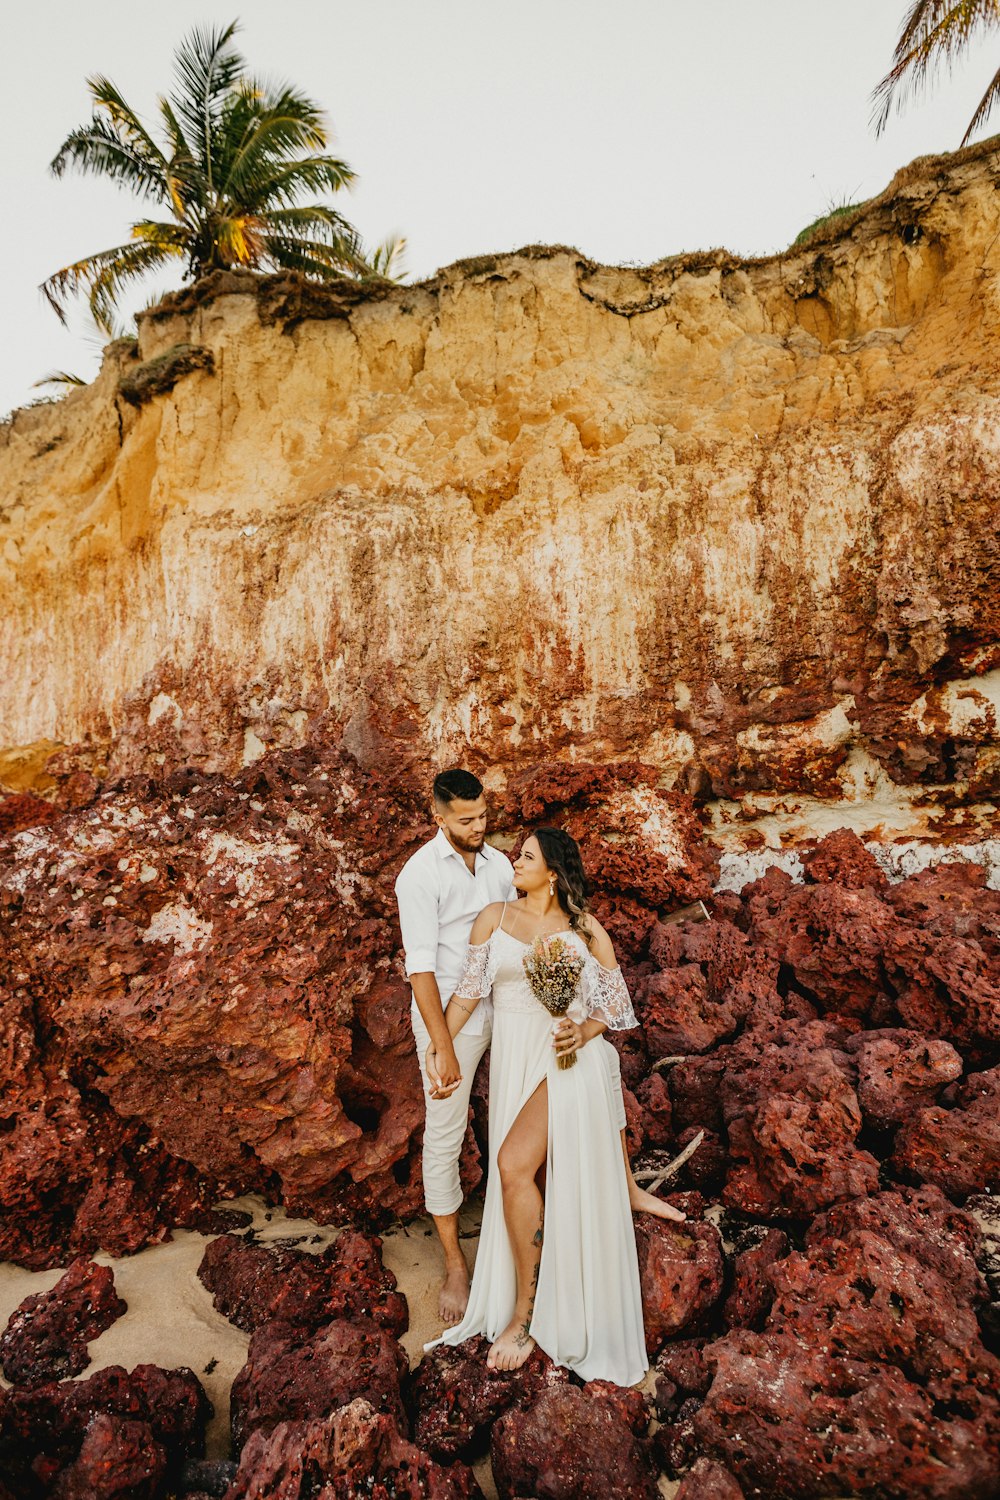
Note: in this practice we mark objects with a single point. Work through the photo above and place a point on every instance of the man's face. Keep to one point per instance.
(464, 823)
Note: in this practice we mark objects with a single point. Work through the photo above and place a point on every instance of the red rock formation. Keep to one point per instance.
(457, 1397)
(708, 1481)
(681, 1371)
(898, 1071)
(291, 1377)
(752, 1292)
(255, 1284)
(43, 1431)
(574, 1442)
(119, 1460)
(46, 1337)
(793, 1118)
(353, 1451)
(957, 1148)
(681, 1270)
(793, 1421)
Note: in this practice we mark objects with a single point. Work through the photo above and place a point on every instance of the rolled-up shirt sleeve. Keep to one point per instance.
(418, 921)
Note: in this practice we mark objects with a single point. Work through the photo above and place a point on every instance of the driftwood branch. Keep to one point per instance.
(696, 912)
(658, 1176)
(668, 1062)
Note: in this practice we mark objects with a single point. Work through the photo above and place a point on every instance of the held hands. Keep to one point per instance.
(443, 1072)
(568, 1036)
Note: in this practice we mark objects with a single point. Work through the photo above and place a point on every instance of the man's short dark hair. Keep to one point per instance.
(462, 785)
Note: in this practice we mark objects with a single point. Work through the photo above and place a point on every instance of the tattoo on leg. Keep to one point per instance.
(523, 1336)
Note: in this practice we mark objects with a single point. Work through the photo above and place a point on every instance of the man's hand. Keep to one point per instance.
(443, 1071)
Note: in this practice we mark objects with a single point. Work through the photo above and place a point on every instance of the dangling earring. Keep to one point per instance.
(552, 887)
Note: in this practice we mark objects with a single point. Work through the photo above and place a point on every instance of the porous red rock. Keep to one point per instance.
(706, 1480)
(920, 1222)
(353, 1451)
(574, 1442)
(946, 985)
(828, 937)
(695, 1092)
(681, 1371)
(957, 1148)
(653, 1097)
(254, 1284)
(456, 1397)
(898, 1071)
(289, 1377)
(681, 1272)
(45, 1427)
(705, 985)
(792, 1117)
(750, 1296)
(793, 1421)
(46, 1337)
(867, 1299)
(675, 1441)
(119, 1460)
(841, 857)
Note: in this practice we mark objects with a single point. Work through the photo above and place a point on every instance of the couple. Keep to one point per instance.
(559, 1270)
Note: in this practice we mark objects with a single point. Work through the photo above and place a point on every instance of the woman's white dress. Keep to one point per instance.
(588, 1307)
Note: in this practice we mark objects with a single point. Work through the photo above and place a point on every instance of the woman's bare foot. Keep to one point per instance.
(512, 1348)
(642, 1202)
(454, 1298)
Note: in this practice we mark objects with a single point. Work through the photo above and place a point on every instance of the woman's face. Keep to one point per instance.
(531, 873)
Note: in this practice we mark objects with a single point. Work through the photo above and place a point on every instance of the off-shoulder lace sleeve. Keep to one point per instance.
(606, 995)
(476, 979)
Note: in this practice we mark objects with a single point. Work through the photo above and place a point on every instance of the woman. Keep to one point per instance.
(560, 1271)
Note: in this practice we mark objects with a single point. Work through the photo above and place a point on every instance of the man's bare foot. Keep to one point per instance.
(454, 1298)
(642, 1202)
(512, 1348)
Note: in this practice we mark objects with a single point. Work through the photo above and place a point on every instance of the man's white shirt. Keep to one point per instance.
(439, 899)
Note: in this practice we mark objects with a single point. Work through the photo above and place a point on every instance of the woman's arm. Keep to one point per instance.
(611, 1006)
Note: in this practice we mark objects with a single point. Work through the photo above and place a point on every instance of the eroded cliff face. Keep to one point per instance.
(735, 519)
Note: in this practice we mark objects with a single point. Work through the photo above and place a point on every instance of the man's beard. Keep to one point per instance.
(470, 845)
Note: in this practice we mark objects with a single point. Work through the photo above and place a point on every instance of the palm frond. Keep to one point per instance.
(284, 182)
(103, 275)
(933, 31)
(108, 97)
(207, 67)
(324, 261)
(58, 377)
(387, 259)
(983, 109)
(173, 237)
(100, 148)
(131, 265)
(185, 179)
(263, 130)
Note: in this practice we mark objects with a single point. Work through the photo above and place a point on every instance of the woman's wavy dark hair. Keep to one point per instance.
(561, 853)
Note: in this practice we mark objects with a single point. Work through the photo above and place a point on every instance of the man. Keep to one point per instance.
(440, 891)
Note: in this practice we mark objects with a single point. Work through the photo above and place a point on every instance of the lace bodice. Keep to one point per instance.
(494, 970)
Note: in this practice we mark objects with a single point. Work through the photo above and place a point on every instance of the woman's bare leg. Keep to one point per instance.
(642, 1202)
(521, 1155)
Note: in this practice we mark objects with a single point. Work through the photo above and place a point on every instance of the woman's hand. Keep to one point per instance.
(443, 1072)
(568, 1036)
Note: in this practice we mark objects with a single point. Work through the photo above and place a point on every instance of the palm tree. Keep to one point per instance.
(238, 155)
(936, 31)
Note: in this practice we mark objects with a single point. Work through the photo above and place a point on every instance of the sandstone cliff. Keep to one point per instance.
(736, 519)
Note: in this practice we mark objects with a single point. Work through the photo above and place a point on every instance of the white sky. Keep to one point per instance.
(632, 129)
